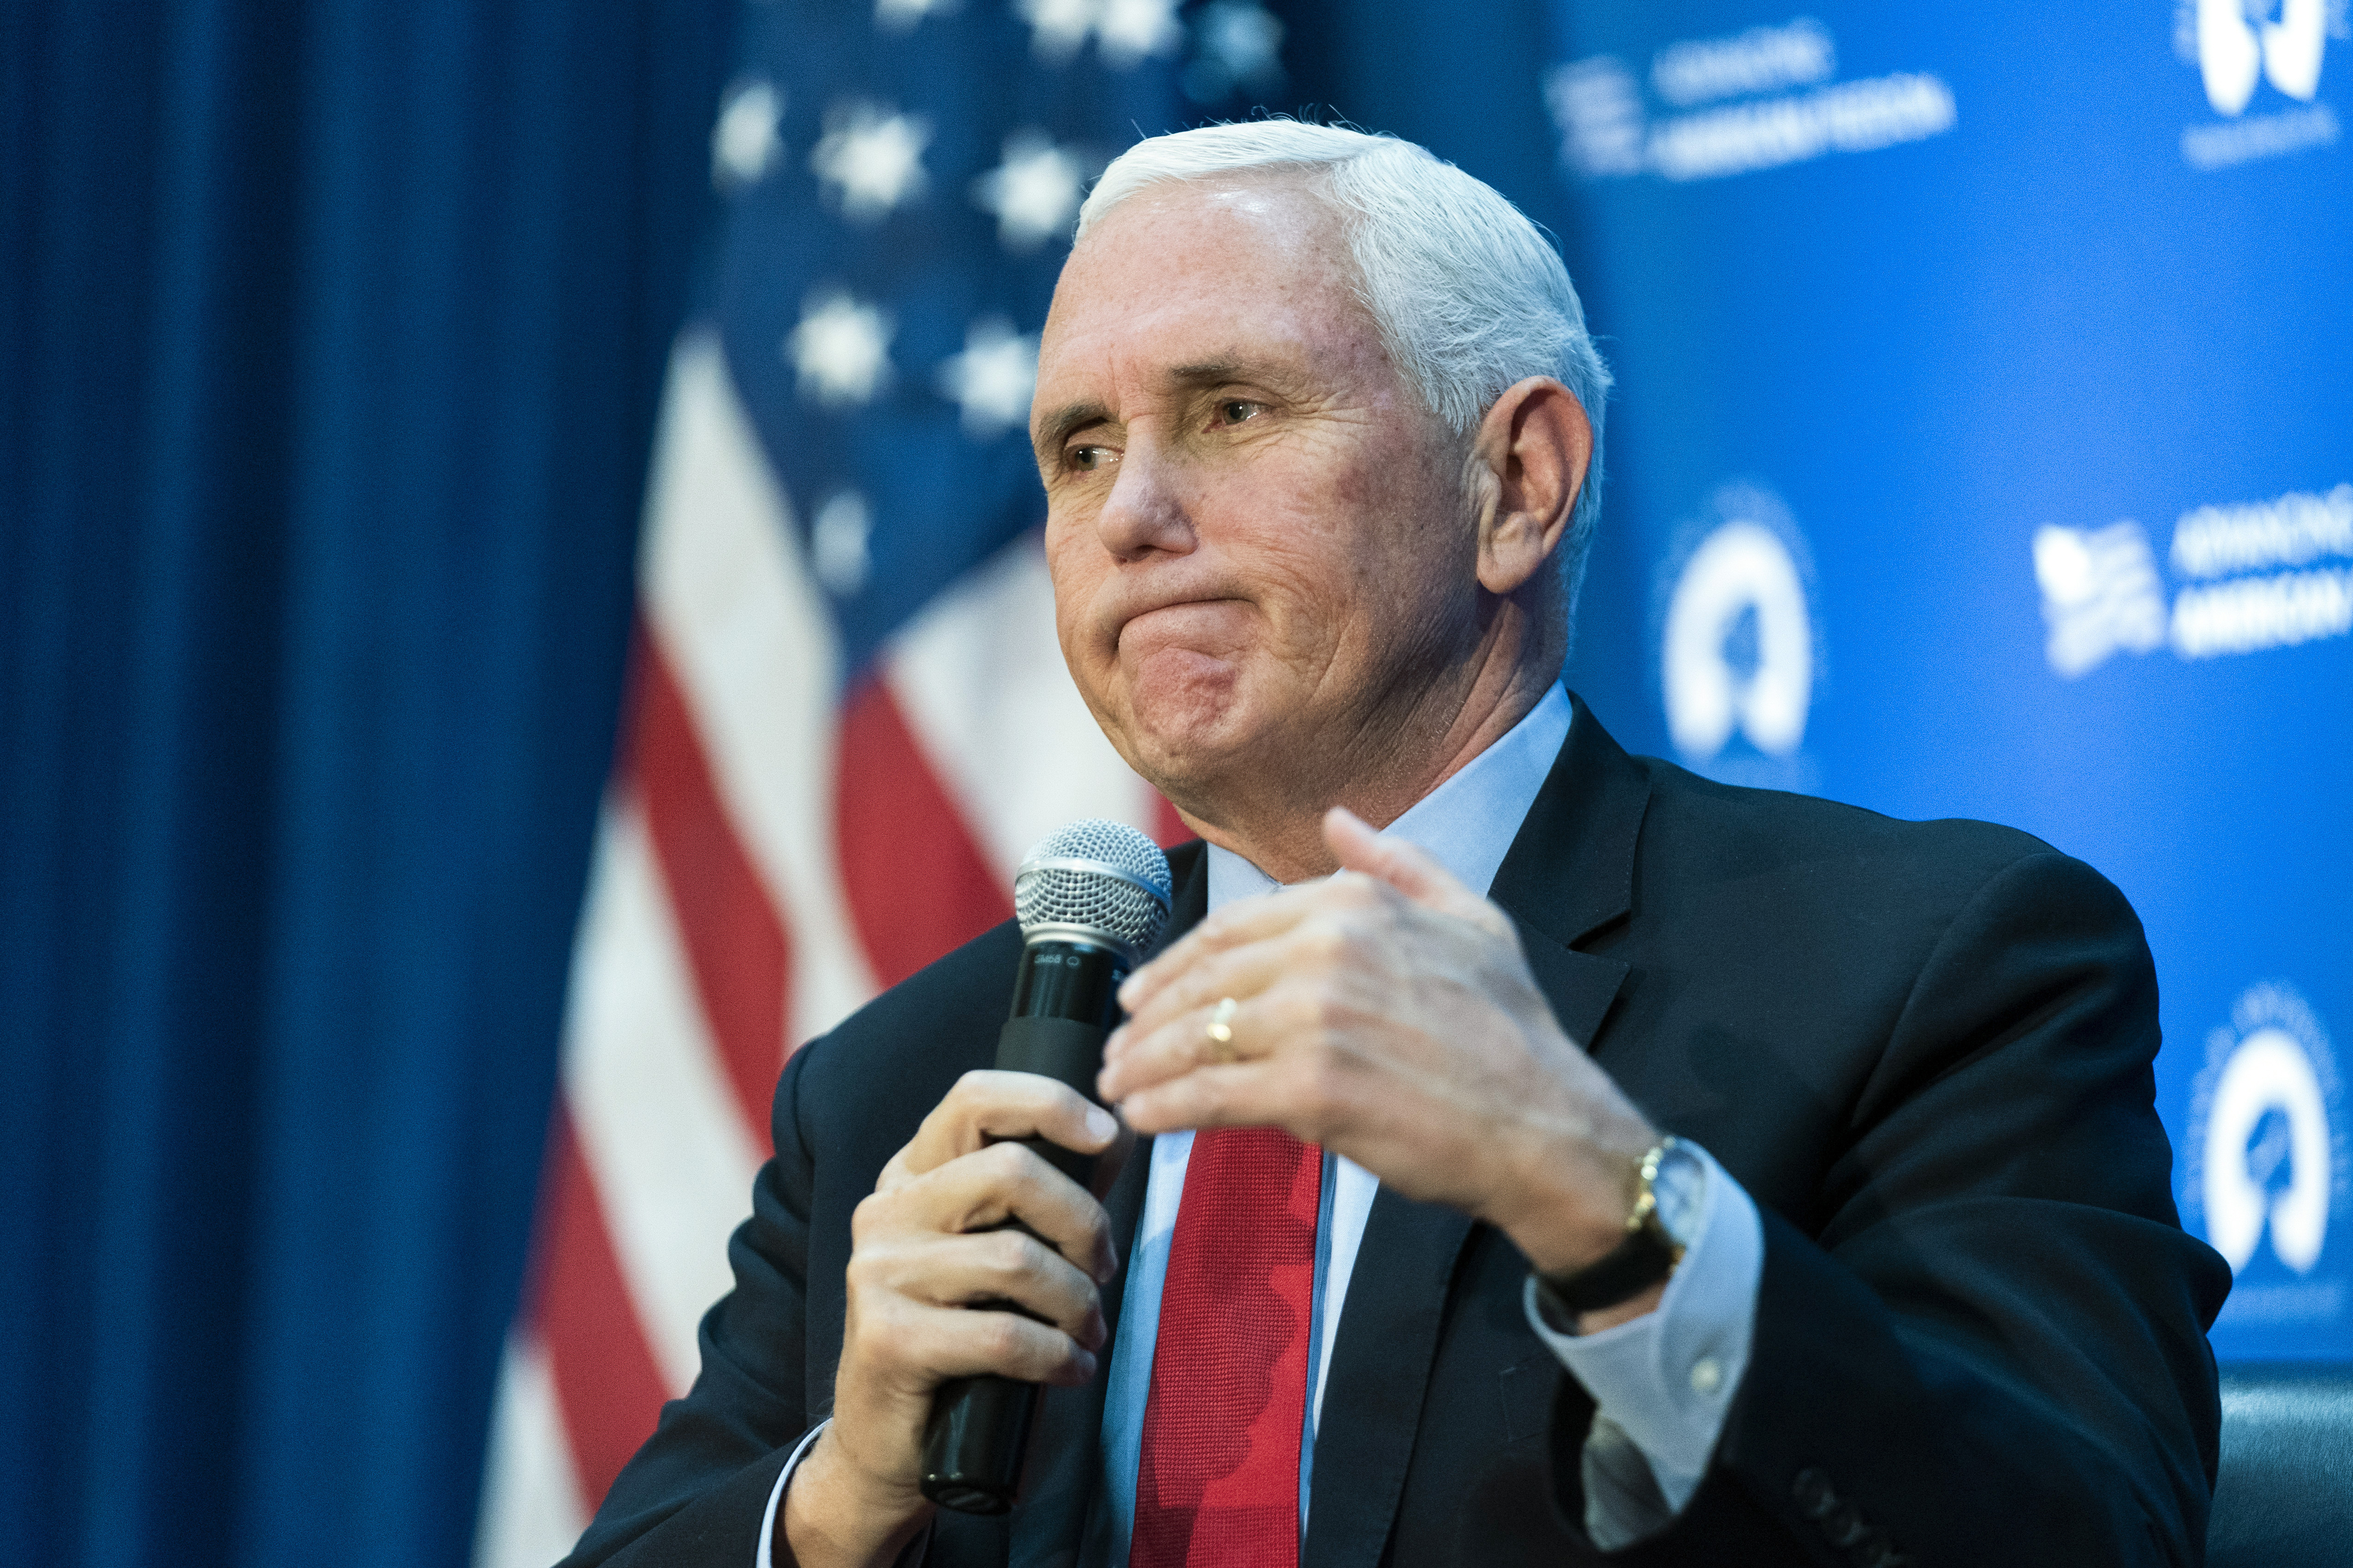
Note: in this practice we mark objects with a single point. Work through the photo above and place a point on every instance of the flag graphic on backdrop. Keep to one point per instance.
(846, 717)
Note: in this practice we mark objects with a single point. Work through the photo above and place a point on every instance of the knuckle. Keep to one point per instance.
(1006, 1163)
(882, 1335)
(1321, 1074)
(1010, 1253)
(1205, 1097)
(1297, 1008)
(1003, 1337)
(1327, 942)
(1325, 1010)
(859, 1277)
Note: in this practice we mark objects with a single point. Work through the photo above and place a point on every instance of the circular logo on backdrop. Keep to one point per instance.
(1738, 658)
(2264, 1167)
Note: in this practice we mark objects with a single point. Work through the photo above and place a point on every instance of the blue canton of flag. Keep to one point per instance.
(910, 172)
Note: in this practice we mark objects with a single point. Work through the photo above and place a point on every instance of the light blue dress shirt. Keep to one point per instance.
(1660, 1383)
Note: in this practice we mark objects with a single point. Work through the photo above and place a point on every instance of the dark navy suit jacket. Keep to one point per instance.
(1923, 1048)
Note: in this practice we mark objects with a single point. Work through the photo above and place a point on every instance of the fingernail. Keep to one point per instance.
(1101, 1122)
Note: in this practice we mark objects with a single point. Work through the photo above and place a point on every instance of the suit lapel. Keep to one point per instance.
(1579, 985)
(1380, 1365)
(1571, 869)
(1569, 873)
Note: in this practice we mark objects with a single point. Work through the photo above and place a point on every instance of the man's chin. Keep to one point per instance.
(1184, 744)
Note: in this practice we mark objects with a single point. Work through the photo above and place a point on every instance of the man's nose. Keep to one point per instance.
(1145, 511)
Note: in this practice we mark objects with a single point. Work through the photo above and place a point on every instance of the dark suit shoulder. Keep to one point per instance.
(1777, 940)
(1842, 885)
(927, 1021)
(1737, 830)
(856, 1094)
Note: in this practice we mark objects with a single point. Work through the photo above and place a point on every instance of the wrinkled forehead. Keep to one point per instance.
(1287, 207)
(1254, 235)
(1250, 275)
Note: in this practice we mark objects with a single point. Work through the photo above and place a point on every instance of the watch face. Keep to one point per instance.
(1679, 1190)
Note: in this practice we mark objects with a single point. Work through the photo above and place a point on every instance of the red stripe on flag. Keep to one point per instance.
(916, 883)
(605, 1379)
(736, 941)
(1168, 829)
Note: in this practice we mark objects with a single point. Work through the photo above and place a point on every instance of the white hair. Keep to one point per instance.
(1469, 296)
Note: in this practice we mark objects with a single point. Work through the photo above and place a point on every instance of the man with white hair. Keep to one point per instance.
(1603, 1162)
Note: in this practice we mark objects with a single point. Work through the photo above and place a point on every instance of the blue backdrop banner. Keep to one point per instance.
(1983, 446)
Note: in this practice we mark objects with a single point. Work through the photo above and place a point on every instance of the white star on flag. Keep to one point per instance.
(1057, 27)
(993, 378)
(1131, 30)
(899, 16)
(871, 158)
(1034, 192)
(743, 142)
(840, 349)
(1242, 38)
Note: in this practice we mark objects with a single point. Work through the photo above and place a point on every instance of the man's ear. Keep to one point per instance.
(1535, 445)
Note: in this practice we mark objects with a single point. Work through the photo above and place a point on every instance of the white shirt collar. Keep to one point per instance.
(1467, 823)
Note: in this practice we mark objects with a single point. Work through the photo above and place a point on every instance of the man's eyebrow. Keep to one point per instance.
(1275, 374)
(1206, 372)
(1056, 428)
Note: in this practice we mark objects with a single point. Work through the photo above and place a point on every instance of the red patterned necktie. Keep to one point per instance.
(1218, 1481)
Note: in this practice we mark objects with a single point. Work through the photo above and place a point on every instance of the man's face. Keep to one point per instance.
(1258, 533)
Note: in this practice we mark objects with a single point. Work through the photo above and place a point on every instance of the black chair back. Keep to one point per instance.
(2284, 1497)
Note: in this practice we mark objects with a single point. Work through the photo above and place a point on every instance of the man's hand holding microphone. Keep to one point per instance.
(1385, 1012)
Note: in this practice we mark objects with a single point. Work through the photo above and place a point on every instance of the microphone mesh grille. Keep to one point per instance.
(1099, 895)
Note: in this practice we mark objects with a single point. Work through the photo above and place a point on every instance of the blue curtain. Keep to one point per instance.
(331, 338)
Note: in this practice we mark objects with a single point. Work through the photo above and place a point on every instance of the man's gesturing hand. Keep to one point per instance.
(921, 1254)
(1387, 1014)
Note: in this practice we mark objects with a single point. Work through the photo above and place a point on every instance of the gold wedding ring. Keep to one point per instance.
(1220, 1028)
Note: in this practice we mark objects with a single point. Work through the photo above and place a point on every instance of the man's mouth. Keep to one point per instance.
(1179, 619)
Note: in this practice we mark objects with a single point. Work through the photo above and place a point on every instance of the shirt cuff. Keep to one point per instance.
(776, 1494)
(1663, 1382)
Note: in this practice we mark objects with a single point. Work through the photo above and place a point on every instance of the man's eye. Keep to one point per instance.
(1234, 410)
(1087, 459)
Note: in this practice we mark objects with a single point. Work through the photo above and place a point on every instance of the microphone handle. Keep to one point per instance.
(1065, 1000)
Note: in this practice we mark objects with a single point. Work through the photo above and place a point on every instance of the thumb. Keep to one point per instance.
(1408, 867)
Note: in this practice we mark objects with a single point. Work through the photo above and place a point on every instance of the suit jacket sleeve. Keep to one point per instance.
(695, 1492)
(1986, 1344)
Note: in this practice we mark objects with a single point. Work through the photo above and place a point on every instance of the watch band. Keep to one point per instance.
(1646, 1255)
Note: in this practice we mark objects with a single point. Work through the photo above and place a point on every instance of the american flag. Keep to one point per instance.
(848, 717)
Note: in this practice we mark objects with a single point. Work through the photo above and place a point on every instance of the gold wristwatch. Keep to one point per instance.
(1662, 1225)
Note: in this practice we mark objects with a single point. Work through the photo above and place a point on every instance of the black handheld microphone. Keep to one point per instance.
(1091, 898)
